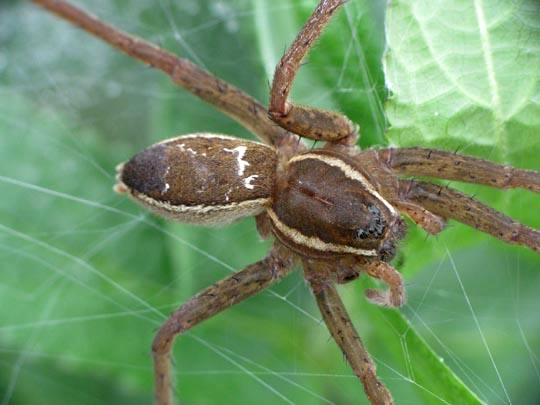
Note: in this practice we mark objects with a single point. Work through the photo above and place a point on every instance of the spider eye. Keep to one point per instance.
(360, 234)
(374, 210)
(376, 226)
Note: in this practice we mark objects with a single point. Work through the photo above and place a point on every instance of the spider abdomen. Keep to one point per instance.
(323, 205)
(204, 179)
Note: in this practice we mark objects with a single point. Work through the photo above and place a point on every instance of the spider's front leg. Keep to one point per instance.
(209, 302)
(322, 277)
(453, 204)
(442, 164)
(444, 202)
(305, 121)
(344, 333)
(393, 297)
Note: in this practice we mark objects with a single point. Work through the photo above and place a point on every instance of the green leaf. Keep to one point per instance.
(465, 76)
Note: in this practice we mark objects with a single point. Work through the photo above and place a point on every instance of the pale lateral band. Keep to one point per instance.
(314, 242)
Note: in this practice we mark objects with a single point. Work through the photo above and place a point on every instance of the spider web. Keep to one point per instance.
(87, 277)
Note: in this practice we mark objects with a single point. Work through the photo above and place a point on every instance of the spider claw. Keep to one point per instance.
(385, 298)
(377, 297)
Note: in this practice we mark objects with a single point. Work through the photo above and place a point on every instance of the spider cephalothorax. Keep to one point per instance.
(308, 216)
(335, 210)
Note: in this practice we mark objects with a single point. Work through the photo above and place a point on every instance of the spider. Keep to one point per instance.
(335, 210)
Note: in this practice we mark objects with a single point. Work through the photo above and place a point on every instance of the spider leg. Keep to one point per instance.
(450, 203)
(429, 221)
(395, 295)
(308, 122)
(224, 96)
(209, 302)
(344, 333)
(447, 165)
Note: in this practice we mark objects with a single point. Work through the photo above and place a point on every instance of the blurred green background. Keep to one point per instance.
(86, 277)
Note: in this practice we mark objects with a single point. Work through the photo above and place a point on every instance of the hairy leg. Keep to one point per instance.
(429, 221)
(305, 121)
(395, 295)
(450, 203)
(447, 165)
(224, 96)
(209, 302)
(338, 322)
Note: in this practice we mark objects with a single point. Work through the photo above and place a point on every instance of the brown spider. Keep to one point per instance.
(212, 179)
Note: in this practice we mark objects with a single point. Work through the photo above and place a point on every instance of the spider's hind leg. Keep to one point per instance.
(212, 300)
